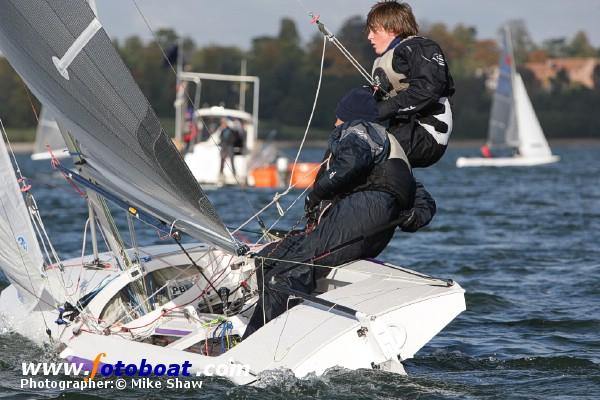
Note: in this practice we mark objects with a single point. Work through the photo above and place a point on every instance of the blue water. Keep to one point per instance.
(523, 242)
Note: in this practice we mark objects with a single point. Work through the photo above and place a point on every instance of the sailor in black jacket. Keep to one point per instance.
(365, 184)
(414, 83)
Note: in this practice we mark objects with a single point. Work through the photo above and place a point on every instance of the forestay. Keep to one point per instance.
(64, 55)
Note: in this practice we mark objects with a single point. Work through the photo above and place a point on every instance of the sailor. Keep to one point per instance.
(229, 138)
(365, 184)
(414, 83)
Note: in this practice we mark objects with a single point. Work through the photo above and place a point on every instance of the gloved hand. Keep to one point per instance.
(310, 202)
(384, 84)
(421, 214)
(408, 223)
(311, 210)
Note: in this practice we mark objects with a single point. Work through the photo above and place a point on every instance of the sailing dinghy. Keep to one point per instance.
(513, 123)
(170, 303)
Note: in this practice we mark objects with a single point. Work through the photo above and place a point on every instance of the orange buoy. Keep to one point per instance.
(304, 174)
(265, 177)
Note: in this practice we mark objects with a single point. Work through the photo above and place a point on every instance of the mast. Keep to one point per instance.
(243, 85)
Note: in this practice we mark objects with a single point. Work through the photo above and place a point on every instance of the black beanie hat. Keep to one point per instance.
(358, 103)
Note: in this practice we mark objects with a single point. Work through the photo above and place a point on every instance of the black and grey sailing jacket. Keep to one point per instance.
(363, 156)
(416, 84)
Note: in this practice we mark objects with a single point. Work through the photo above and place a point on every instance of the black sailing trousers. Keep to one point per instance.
(348, 219)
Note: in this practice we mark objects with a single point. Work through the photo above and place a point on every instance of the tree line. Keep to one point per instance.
(289, 72)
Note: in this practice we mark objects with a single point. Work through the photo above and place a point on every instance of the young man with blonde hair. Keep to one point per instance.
(414, 83)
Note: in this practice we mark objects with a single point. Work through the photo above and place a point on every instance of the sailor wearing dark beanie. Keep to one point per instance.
(358, 103)
(358, 149)
(365, 182)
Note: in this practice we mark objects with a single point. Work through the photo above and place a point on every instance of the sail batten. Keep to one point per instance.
(104, 110)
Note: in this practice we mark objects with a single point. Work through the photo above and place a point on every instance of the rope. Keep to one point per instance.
(83, 247)
(176, 238)
(54, 162)
(311, 113)
(182, 271)
(49, 251)
(20, 177)
(276, 199)
(168, 311)
(262, 266)
(54, 259)
(155, 36)
(315, 19)
(22, 184)
(35, 113)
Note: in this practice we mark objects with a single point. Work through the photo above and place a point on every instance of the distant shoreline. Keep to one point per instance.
(27, 147)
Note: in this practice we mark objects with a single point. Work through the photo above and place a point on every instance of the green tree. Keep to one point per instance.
(485, 54)
(521, 39)
(166, 38)
(580, 46)
(353, 36)
(221, 60)
(556, 47)
(17, 104)
(529, 79)
(560, 82)
(279, 63)
(466, 39)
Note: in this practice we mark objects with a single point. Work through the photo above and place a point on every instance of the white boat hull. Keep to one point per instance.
(399, 311)
(205, 162)
(517, 161)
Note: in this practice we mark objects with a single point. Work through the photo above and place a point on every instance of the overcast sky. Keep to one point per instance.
(236, 22)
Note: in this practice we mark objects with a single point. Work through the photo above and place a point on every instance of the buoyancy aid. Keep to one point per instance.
(390, 81)
(392, 175)
(436, 119)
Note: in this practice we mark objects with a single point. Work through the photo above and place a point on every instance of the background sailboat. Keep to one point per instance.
(48, 134)
(513, 123)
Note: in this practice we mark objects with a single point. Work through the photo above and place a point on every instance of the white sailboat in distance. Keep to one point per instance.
(513, 122)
